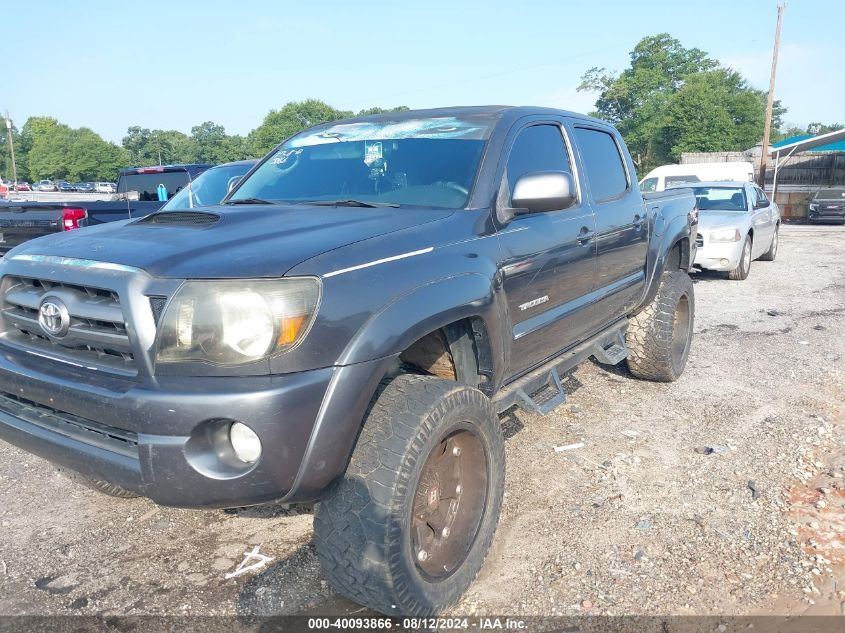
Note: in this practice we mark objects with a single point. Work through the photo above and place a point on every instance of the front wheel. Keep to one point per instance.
(740, 273)
(659, 336)
(407, 529)
(769, 255)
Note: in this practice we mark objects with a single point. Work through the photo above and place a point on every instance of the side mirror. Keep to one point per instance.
(543, 191)
(233, 182)
(761, 204)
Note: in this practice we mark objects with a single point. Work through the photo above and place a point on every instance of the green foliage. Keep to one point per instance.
(46, 148)
(377, 110)
(6, 170)
(293, 117)
(49, 149)
(714, 111)
(673, 99)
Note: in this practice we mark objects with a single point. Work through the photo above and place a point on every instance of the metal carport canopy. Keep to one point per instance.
(800, 146)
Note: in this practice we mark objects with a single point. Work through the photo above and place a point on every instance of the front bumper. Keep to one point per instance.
(140, 436)
(722, 256)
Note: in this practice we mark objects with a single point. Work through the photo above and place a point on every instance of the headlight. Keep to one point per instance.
(725, 235)
(238, 321)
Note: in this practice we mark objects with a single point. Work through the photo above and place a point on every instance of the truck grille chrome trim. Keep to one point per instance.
(74, 261)
(95, 338)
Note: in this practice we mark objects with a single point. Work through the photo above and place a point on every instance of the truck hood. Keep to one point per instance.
(716, 219)
(246, 241)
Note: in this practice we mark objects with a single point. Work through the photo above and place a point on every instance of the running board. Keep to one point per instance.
(541, 390)
(612, 353)
(547, 397)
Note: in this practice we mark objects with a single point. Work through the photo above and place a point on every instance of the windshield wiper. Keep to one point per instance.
(351, 203)
(248, 201)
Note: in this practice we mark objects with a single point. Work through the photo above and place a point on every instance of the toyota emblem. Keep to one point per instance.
(53, 317)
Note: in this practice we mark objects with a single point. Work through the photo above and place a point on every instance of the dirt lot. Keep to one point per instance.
(638, 521)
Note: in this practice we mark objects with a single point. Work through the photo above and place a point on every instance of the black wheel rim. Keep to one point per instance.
(449, 504)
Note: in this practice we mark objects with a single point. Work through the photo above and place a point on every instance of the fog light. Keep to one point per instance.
(245, 443)
(724, 262)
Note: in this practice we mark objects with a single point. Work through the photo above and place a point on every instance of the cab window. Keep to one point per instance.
(648, 185)
(537, 148)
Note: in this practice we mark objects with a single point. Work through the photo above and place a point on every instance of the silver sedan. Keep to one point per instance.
(737, 224)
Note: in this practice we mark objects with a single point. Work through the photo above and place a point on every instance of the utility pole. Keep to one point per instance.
(767, 129)
(11, 148)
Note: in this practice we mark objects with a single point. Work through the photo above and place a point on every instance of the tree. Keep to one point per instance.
(293, 117)
(377, 110)
(713, 111)
(89, 157)
(821, 128)
(47, 143)
(156, 147)
(6, 170)
(653, 102)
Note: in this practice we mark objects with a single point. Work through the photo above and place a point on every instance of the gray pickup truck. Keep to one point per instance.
(346, 327)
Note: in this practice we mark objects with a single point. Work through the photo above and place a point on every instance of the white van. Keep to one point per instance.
(659, 178)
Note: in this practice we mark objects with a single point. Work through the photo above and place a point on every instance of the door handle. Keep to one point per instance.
(585, 236)
(638, 222)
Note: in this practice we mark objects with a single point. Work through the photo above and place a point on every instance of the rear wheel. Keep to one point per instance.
(769, 255)
(408, 527)
(740, 273)
(659, 336)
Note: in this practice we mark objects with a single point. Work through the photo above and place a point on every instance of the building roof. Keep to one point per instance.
(830, 142)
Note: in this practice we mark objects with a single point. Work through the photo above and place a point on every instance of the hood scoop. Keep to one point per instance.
(180, 218)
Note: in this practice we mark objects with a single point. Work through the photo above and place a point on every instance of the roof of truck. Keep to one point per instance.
(483, 111)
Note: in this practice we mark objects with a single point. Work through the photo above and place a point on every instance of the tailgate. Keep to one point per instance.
(23, 222)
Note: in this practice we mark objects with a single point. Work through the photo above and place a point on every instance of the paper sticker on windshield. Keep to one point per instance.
(372, 152)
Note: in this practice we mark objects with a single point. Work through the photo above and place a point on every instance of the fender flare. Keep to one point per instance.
(368, 357)
(423, 310)
(677, 230)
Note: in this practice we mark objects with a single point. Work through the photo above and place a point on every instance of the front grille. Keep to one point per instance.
(72, 426)
(185, 218)
(96, 337)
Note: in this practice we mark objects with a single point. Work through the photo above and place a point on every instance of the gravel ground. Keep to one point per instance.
(638, 521)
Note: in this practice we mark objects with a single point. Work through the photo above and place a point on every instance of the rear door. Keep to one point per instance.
(621, 225)
(548, 258)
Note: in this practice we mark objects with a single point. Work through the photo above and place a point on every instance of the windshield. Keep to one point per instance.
(147, 184)
(423, 162)
(209, 188)
(680, 180)
(720, 198)
(831, 194)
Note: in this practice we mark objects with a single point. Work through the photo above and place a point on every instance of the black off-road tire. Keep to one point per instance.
(769, 255)
(740, 273)
(106, 488)
(659, 336)
(363, 527)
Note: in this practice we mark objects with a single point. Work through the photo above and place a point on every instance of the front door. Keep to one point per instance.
(548, 258)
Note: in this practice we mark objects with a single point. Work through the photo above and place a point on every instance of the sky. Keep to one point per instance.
(173, 65)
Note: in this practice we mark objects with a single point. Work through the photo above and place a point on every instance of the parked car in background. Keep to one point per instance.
(45, 185)
(105, 187)
(666, 176)
(65, 187)
(827, 206)
(737, 224)
(22, 186)
(210, 187)
(138, 195)
(84, 187)
(346, 327)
